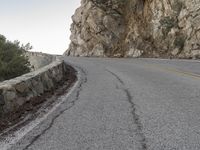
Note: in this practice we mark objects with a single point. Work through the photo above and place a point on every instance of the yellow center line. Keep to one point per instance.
(176, 71)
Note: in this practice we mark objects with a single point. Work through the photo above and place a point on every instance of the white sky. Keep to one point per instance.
(43, 23)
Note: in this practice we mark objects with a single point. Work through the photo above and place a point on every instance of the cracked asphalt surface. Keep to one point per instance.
(126, 104)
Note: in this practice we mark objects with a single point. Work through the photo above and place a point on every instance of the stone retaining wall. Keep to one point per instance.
(39, 60)
(15, 92)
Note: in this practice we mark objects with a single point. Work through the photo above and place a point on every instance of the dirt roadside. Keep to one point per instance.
(29, 111)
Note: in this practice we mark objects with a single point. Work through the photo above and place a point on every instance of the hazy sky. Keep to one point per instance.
(43, 23)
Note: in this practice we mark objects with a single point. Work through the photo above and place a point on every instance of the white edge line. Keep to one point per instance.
(19, 134)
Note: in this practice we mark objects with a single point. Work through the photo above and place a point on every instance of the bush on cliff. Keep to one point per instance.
(13, 61)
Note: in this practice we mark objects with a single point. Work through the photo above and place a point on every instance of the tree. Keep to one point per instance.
(13, 61)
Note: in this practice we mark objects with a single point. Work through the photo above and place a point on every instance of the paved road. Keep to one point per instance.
(128, 104)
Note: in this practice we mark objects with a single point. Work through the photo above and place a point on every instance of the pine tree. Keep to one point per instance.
(13, 61)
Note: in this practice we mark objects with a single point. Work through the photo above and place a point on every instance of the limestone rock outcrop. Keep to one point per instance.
(136, 28)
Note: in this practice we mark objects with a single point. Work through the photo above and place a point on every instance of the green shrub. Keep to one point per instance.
(179, 42)
(177, 6)
(13, 61)
(167, 23)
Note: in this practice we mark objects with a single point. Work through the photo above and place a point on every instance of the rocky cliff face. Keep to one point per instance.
(136, 28)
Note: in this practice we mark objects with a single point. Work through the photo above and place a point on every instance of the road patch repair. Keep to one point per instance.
(27, 97)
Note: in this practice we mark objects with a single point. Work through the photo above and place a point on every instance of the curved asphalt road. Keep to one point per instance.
(129, 104)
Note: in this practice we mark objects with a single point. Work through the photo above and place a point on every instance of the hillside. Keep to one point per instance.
(136, 28)
(39, 60)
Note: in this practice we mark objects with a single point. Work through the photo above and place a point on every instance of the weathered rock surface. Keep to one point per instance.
(17, 91)
(135, 28)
